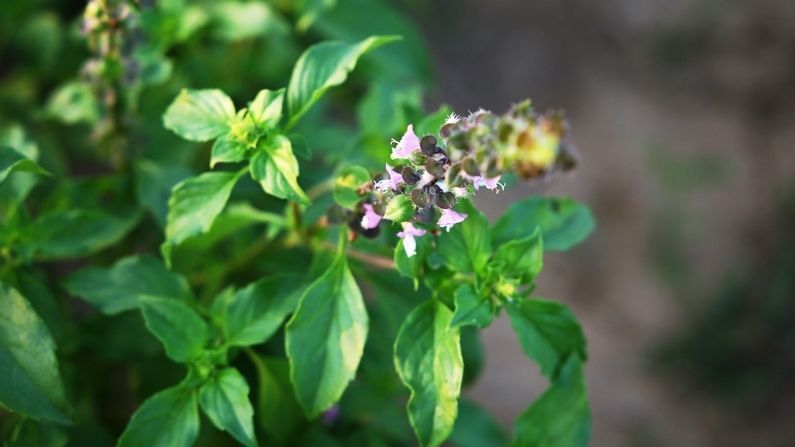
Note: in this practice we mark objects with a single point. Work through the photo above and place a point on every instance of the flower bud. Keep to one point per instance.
(409, 176)
(470, 167)
(445, 200)
(400, 209)
(428, 145)
(420, 198)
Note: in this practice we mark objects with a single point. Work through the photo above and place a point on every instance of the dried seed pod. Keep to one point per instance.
(420, 198)
(470, 167)
(409, 176)
(428, 145)
(445, 200)
(436, 168)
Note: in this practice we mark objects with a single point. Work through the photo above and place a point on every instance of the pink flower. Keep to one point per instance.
(450, 218)
(408, 234)
(407, 144)
(395, 179)
(489, 183)
(371, 219)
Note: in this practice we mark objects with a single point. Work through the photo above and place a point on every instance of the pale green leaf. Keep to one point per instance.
(520, 258)
(321, 67)
(120, 287)
(266, 108)
(13, 161)
(275, 168)
(29, 380)
(74, 103)
(227, 149)
(325, 338)
(200, 115)
(428, 360)
(224, 399)
(169, 418)
(347, 184)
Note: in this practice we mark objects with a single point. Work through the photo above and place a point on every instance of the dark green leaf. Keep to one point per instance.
(119, 288)
(278, 412)
(521, 258)
(31, 433)
(77, 232)
(200, 115)
(413, 266)
(476, 428)
(13, 161)
(321, 67)
(182, 331)
(467, 246)
(325, 338)
(253, 314)
(471, 308)
(30, 381)
(275, 168)
(428, 360)
(548, 333)
(560, 417)
(196, 202)
(563, 222)
(153, 184)
(347, 184)
(169, 418)
(224, 399)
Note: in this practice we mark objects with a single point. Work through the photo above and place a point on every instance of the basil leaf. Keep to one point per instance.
(13, 161)
(275, 168)
(253, 314)
(200, 115)
(120, 287)
(153, 184)
(471, 308)
(563, 222)
(227, 149)
(325, 338)
(475, 427)
(266, 108)
(168, 418)
(278, 411)
(322, 66)
(224, 399)
(467, 246)
(428, 360)
(73, 103)
(77, 232)
(347, 183)
(520, 258)
(182, 331)
(30, 382)
(548, 333)
(560, 417)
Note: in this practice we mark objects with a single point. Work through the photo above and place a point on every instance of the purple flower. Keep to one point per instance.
(408, 234)
(395, 179)
(371, 219)
(407, 144)
(331, 415)
(450, 218)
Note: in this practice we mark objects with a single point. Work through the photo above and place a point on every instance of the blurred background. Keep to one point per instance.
(682, 112)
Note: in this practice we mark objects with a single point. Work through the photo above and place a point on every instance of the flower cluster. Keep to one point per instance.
(429, 174)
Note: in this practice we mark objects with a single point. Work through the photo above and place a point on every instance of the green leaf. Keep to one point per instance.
(432, 123)
(13, 161)
(412, 267)
(182, 331)
(325, 338)
(521, 258)
(428, 360)
(467, 247)
(224, 399)
(475, 427)
(253, 314)
(18, 184)
(548, 333)
(310, 10)
(30, 381)
(200, 115)
(347, 184)
(563, 222)
(399, 209)
(278, 412)
(169, 418)
(30, 433)
(77, 232)
(73, 103)
(322, 66)
(275, 168)
(227, 149)
(196, 202)
(560, 417)
(471, 308)
(237, 20)
(120, 287)
(266, 108)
